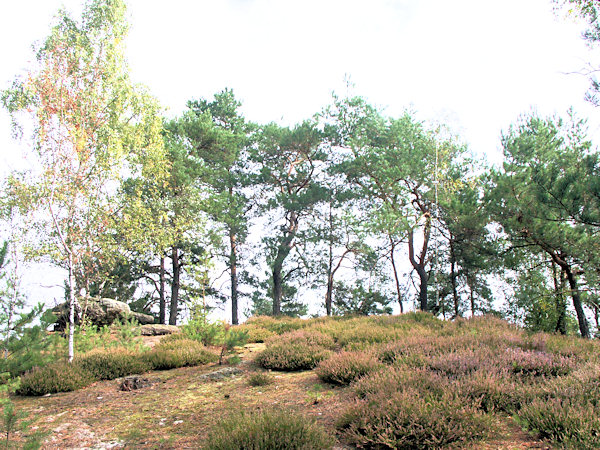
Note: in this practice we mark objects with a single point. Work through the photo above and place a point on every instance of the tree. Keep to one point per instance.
(87, 117)
(546, 198)
(222, 150)
(289, 164)
(396, 163)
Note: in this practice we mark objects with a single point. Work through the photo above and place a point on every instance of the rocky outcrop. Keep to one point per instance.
(156, 329)
(99, 311)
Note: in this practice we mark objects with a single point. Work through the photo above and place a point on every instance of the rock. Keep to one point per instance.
(142, 319)
(220, 374)
(156, 329)
(134, 382)
(99, 311)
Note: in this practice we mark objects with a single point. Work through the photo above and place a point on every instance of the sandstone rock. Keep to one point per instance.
(220, 374)
(156, 329)
(142, 319)
(99, 311)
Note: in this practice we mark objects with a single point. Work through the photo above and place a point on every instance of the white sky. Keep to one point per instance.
(476, 65)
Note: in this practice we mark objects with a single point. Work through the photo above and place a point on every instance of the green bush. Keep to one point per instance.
(346, 367)
(268, 430)
(256, 333)
(312, 338)
(114, 363)
(179, 353)
(574, 424)
(277, 325)
(408, 419)
(57, 377)
(259, 379)
(299, 356)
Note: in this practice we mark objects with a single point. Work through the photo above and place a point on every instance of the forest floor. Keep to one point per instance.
(179, 408)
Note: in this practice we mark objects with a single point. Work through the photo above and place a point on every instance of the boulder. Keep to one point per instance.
(156, 329)
(135, 382)
(99, 311)
(142, 319)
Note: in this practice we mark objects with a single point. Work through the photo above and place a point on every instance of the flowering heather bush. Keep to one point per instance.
(572, 423)
(181, 353)
(277, 325)
(57, 377)
(409, 419)
(309, 337)
(115, 363)
(537, 364)
(292, 356)
(346, 367)
(465, 362)
(495, 391)
(268, 430)
(398, 378)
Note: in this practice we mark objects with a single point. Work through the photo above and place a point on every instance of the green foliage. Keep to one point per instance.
(108, 364)
(59, 376)
(202, 330)
(571, 423)
(256, 333)
(30, 346)
(268, 430)
(232, 338)
(360, 301)
(260, 379)
(179, 353)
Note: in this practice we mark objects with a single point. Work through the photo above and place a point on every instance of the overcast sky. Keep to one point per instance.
(476, 65)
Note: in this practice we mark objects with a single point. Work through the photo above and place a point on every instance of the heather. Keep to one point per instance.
(420, 382)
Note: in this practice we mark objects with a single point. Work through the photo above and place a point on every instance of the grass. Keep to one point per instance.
(467, 384)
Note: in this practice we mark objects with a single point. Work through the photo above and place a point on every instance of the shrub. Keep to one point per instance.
(268, 430)
(537, 364)
(398, 378)
(179, 353)
(202, 330)
(462, 363)
(256, 333)
(571, 423)
(259, 379)
(312, 338)
(346, 367)
(363, 334)
(495, 391)
(110, 364)
(298, 356)
(57, 377)
(277, 325)
(408, 419)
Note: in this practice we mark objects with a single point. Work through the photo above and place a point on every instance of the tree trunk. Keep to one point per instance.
(72, 304)
(396, 279)
(453, 277)
(174, 286)
(583, 325)
(419, 266)
(234, 277)
(560, 304)
(162, 304)
(284, 249)
(329, 292)
(277, 287)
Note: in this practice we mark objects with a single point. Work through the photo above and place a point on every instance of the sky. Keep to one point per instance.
(473, 65)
